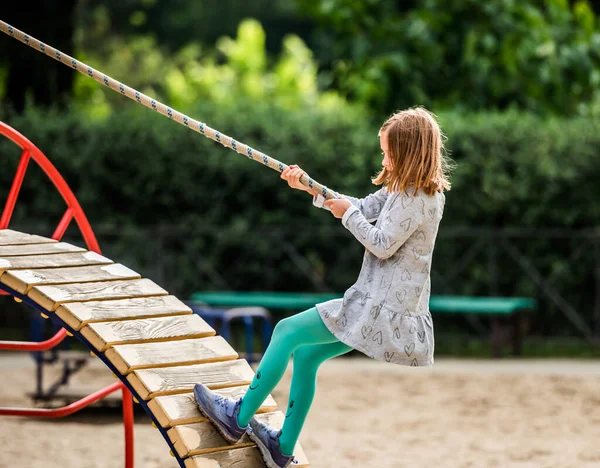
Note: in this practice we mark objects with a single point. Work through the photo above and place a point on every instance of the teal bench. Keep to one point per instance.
(500, 310)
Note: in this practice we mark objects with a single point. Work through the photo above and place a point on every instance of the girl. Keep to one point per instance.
(385, 314)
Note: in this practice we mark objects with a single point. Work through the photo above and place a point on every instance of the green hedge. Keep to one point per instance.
(193, 215)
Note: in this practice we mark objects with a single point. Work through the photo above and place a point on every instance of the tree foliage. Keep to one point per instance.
(541, 55)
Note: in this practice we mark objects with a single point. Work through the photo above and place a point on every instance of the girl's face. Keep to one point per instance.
(383, 142)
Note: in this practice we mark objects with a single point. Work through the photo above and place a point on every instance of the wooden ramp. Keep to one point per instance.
(147, 337)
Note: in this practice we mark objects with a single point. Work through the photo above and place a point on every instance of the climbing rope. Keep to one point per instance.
(147, 101)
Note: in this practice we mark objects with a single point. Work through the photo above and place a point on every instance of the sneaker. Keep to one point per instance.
(267, 441)
(221, 411)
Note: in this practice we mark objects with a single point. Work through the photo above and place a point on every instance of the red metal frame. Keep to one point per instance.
(74, 211)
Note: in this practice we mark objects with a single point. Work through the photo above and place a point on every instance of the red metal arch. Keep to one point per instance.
(73, 211)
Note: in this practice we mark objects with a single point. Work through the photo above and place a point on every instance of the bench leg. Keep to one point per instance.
(497, 336)
(516, 333)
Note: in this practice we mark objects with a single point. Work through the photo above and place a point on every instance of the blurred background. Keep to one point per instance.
(515, 85)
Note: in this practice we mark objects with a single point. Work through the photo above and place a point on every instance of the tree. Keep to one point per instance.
(539, 55)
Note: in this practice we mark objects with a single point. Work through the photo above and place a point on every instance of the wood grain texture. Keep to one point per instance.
(38, 249)
(51, 297)
(106, 334)
(10, 237)
(247, 457)
(172, 410)
(128, 358)
(78, 314)
(23, 280)
(150, 383)
(203, 437)
(52, 261)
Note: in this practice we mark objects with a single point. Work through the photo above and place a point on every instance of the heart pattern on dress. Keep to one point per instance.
(397, 333)
(420, 235)
(342, 321)
(406, 201)
(406, 224)
(366, 331)
(408, 349)
(388, 356)
(364, 298)
(421, 336)
(378, 337)
(401, 295)
(375, 310)
(406, 275)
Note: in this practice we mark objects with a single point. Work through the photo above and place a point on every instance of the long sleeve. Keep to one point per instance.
(403, 218)
(370, 206)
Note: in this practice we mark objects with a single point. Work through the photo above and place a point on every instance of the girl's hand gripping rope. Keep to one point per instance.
(292, 175)
(338, 207)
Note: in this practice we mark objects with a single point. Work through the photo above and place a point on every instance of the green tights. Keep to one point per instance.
(306, 337)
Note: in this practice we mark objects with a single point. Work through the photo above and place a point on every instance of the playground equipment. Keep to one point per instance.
(150, 340)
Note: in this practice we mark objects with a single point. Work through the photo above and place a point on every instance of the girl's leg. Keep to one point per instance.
(307, 360)
(289, 334)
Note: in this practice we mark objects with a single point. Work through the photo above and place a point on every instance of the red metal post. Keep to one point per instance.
(128, 423)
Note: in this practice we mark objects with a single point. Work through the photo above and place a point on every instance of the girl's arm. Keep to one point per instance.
(403, 218)
(370, 206)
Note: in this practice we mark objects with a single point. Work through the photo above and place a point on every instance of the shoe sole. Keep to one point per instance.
(265, 454)
(220, 428)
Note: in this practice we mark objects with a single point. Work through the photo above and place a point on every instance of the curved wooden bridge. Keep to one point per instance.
(148, 338)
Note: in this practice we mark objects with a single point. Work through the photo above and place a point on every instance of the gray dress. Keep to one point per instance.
(385, 313)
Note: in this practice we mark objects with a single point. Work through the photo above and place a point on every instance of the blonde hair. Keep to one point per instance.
(416, 150)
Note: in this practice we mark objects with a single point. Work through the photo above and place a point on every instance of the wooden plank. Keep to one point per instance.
(51, 297)
(106, 334)
(172, 410)
(78, 314)
(150, 383)
(23, 280)
(128, 358)
(10, 237)
(38, 249)
(52, 261)
(200, 438)
(246, 457)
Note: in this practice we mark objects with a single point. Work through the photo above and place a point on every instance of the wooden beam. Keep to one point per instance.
(23, 280)
(150, 383)
(51, 297)
(246, 457)
(10, 237)
(52, 261)
(79, 314)
(173, 410)
(200, 438)
(128, 358)
(106, 334)
(38, 249)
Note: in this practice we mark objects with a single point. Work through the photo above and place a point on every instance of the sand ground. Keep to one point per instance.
(459, 413)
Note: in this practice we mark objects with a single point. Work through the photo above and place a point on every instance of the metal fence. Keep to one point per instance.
(559, 267)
